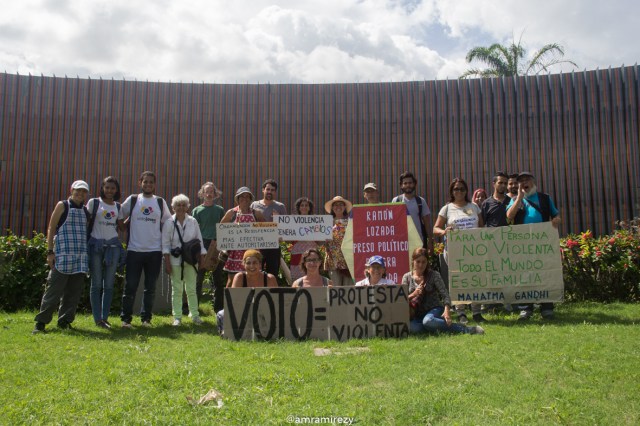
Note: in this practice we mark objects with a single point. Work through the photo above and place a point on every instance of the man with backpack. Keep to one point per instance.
(417, 208)
(531, 206)
(145, 213)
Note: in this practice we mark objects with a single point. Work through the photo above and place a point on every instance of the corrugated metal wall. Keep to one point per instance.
(577, 132)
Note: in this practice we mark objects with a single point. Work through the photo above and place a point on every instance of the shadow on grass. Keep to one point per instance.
(165, 331)
(569, 315)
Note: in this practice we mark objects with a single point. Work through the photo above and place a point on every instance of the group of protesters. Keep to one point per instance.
(85, 237)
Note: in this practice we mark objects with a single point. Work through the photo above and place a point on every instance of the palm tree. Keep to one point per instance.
(508, 61)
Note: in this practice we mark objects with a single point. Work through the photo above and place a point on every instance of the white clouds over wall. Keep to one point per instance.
(298, 41)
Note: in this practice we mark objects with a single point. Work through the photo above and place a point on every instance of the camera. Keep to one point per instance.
(176, 251)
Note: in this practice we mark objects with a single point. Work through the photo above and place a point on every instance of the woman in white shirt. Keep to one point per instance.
(105, 250)
(459, 213)
(375, 271)
(183, 275)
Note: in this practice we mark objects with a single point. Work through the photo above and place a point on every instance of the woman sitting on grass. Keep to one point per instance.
(253, 276)
(427, 293)
(376, 273)
(311, 265)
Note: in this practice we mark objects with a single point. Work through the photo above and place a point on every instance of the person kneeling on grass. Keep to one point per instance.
(253, 276)
(181, 228)
(376, 273)
(67, 258)
(427, 293)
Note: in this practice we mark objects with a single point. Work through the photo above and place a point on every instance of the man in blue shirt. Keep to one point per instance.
(531, 206)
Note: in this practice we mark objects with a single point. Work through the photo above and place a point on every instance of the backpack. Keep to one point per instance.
(94, 212)
(397, 199)
(544, 208)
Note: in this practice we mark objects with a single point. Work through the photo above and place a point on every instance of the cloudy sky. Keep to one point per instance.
(283, 41)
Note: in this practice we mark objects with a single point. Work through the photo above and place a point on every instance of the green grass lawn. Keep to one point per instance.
(582, 368)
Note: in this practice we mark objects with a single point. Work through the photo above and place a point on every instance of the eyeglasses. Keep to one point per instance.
(314, 260)
(460, 189)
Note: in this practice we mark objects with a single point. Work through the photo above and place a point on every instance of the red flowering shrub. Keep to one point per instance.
(603, 269)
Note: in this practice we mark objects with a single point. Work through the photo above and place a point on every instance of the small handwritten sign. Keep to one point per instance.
(509, 264)
(304, 227)
(244, 236)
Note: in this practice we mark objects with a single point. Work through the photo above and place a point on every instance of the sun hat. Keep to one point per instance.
(329, 204)
(242, 190)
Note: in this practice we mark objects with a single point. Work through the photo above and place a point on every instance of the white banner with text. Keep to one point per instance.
(509, 264)
(245, 236)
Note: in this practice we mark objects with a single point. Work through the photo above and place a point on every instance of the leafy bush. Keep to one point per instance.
(604, 269)
(23, 271)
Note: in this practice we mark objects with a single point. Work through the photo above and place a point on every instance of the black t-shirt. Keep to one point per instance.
(494, 212)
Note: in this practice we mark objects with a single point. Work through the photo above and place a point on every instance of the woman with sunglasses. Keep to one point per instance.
(311, 264)
(458, 213)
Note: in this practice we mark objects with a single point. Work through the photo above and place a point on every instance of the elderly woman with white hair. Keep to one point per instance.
(181, 228)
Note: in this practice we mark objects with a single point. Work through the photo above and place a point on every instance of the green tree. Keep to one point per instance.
(509, 61)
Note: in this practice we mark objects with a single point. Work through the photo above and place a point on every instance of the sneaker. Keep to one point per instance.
(103, 324)
(476, 330)
(107, 322)
(197, 321)
(146, 324)
(127, 325)
(176, 323)
(525, 315)
(462, 319)
(479, 318)
(39, 328)
(548, 314)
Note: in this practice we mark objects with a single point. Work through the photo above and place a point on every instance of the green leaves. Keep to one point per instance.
(509, 60)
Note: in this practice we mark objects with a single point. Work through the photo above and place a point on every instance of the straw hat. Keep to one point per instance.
(329, 204)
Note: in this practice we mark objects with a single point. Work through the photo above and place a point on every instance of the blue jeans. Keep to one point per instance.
(103, 277)
(434, 323)
(150, 263)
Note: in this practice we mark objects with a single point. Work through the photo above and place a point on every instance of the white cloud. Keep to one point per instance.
(299, 41)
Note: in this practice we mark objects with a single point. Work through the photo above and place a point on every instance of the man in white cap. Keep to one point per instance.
(67, 257)
(371, 194)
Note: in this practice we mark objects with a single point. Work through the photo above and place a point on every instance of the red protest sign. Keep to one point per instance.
(382, 230)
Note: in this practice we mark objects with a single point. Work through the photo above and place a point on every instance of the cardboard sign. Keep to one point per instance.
(380, 229)
(322, 313)
(245, 236)
(509, 264)
(304, 227)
